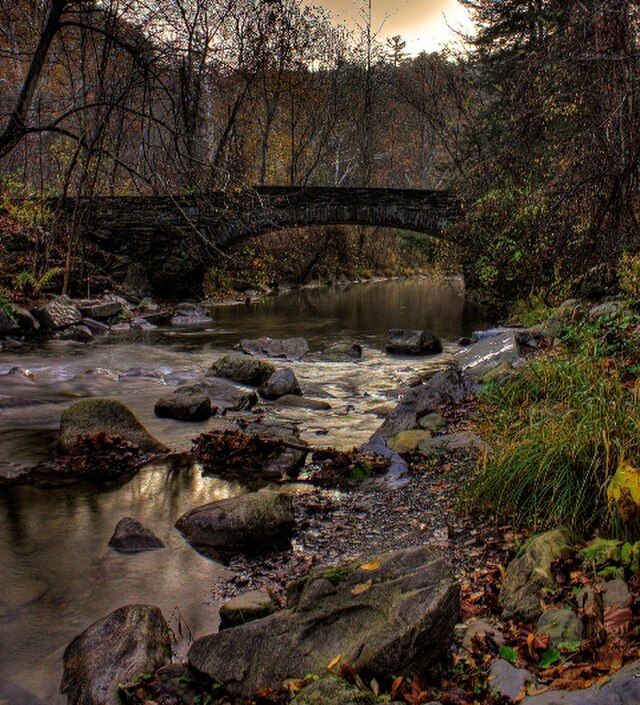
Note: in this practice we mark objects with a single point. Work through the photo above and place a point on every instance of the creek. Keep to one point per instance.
(58, 573)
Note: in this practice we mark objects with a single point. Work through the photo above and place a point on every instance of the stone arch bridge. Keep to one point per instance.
(171, 239)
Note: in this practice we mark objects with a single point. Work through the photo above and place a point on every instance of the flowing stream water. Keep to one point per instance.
(58, 573)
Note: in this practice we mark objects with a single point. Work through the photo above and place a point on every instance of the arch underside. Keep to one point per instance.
(227, 232)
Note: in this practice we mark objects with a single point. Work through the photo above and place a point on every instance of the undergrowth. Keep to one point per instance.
(560, 429)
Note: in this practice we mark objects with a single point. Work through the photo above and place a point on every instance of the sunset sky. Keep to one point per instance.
(424, 24)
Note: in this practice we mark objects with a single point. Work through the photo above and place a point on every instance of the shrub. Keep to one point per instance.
(559, 431)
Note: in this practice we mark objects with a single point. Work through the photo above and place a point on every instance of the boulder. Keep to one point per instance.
(91, 416)
(488, 353)
(412, 342)
(129, 641)
(242, 368)
(228, 396)
(185, 404)
(60, 312)
(393, 615)
(448, 386)
(281, 382)
(527, 575)
(560, 625)
(303, 402)
(25, 319)
(621, 689)
(287, 348)
(100, 310)
(8, 325)
(131, 537)
(251, 522)
(245, 608)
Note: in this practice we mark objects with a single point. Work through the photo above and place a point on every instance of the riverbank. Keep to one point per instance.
(563, 618)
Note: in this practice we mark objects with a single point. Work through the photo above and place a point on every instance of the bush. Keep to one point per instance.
(559, 431)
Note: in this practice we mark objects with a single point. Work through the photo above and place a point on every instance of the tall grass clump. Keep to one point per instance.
(558, 432)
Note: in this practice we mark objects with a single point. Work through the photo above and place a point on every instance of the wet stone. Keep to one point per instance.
(131, 537)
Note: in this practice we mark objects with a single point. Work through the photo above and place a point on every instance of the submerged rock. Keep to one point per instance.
(90, 416)
(255, 521)
(393, 615)
(281, 382)
(412, 342)
(287, 348)
(129, 641)
(303, 402)
(242, 368)
(186, 403)
(337, 352)
(130, 537)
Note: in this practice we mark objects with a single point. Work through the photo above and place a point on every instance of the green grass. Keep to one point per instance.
(558, 431)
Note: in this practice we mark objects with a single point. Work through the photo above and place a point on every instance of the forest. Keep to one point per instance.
(534, 125)
(313, 464)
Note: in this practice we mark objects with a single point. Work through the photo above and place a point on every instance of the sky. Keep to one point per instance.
(424, 24)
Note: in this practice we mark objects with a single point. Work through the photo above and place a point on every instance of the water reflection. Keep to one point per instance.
(55, 556)
(59, 574)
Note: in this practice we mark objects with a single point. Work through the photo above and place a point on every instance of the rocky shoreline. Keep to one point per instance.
(344, 596)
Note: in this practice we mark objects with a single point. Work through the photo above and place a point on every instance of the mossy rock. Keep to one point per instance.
(110, 416)
(528, 574)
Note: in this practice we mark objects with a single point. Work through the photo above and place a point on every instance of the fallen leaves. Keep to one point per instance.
(361, 588)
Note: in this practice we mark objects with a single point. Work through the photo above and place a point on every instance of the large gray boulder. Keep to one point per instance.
(528, 574)
(621, 689)
(186, 403)
(287, 348)
(90, 416)
(448, 386)
(242, 368)
(489, 352)
(60, 312)
(393, 615)
(412, 342)
(132, 640)
(281, 382)
(251, 522)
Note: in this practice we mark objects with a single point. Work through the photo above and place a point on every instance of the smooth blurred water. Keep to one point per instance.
(58, 573)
